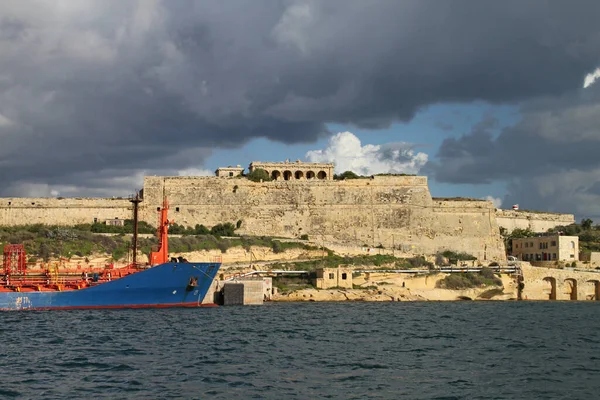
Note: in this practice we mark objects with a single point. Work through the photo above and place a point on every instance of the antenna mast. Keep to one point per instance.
(134, 242)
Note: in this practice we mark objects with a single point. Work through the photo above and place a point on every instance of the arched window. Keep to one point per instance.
(287, 175)
(322, 175)
(275, 175)
(310, 175)
(299, 175)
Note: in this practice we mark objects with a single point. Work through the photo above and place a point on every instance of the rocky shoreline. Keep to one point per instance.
(395, 293)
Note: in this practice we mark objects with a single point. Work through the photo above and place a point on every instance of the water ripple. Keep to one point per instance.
(463, 350)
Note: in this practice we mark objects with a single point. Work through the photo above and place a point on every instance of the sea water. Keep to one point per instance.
(421, 350)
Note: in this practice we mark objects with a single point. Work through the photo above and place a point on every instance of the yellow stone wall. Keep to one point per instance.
(56, 211)
(569, 284)
(536, 221)
(393, 211)
(396, 211)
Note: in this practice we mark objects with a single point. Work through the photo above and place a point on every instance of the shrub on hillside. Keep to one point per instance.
(454, 256)
(226, 229)
(346, 175)
(258, 175)
(469, 280)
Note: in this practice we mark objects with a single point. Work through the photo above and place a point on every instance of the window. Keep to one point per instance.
(176, 209)
(157, 208)
(554, 256)
(331, 275)
(344, 276)
(95, 220)
(553, 243)
(231, 174)
(572, 256)
(572, 244)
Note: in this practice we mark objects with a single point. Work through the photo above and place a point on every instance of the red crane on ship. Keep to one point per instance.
(161, 256)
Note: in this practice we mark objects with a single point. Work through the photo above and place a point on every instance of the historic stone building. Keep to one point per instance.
(229, 172)
(298, 170)
(339, 277)
(552, 247)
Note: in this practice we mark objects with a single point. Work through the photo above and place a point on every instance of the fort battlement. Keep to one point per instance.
(392, 211)
(536, 221)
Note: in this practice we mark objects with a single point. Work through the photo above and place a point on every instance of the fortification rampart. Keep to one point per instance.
(394, 211)
(536, 221)
(61, 211)
(391, 211)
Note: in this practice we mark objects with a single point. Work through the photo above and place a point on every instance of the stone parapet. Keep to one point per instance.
(535, 221)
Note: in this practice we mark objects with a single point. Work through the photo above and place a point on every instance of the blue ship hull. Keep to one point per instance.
(165, 285)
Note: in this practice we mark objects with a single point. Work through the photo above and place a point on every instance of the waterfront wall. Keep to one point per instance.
(559, 284)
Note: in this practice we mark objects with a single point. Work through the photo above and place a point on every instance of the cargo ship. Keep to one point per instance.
(162, 282)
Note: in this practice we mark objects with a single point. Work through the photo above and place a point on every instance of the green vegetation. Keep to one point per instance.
(258, 175)
(469, 280)
(453, 257)
(352, 175)
(44, 241)
(347, 175)
(589, 235)
(287, 284)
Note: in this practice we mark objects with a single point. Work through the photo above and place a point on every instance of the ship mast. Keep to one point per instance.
(134, 242)
(161, 256)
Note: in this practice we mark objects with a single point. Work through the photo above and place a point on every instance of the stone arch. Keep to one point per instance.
(310, 175)
(592, 291)
(298, 174)
(552, 289)
(275, 175)
(287, 175)
(571, 288)
(322, 175)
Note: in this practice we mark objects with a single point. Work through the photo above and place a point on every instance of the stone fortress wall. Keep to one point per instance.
(388, 210)
(62, 211)
(536, 221)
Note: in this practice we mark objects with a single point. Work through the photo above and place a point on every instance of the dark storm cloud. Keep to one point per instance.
(549, 157)
(122, 86)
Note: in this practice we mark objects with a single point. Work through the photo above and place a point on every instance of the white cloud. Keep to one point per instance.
(346, 151)
(496, 201)
(591, 78)
(195, 172)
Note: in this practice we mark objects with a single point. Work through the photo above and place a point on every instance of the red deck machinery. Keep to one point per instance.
(14, 261)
